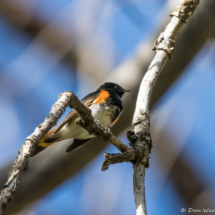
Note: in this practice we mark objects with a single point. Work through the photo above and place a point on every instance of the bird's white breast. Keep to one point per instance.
(101, 113)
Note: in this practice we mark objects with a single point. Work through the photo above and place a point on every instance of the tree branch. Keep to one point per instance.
(21, 162)
(141, 120)
(118, 158)
(87, 121)
(93, 126)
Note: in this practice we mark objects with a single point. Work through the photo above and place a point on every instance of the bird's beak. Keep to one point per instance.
(126, 91)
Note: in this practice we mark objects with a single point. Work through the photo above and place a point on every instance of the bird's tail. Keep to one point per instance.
(47, 141)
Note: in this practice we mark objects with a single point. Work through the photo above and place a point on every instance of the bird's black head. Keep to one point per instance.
(113, 88)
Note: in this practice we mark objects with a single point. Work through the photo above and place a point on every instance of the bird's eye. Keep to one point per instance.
(115, 87)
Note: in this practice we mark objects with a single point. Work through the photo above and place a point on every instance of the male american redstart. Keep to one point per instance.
(106, 106)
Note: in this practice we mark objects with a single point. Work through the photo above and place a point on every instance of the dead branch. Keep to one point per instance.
(141, 120)
(21, 162)
(93, 126)
(87, 121)
(118, 158)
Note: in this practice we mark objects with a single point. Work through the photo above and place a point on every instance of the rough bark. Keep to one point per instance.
(93, 126)
(118, 158)
(141, 120)
(21, 162)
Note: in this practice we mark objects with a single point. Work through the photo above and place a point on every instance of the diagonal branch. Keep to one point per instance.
(21, 162)
(141, 120)
(140, 135)
(93, 126)
(87, 121)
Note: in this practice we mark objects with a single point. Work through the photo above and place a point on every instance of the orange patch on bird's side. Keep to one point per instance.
(115, 121)
(42, 141)
(103, 95)
(45, 145)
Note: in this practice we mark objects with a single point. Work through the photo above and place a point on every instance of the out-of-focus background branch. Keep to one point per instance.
(48, 48)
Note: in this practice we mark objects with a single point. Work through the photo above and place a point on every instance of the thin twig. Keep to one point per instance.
(141, 120)
(129, 156)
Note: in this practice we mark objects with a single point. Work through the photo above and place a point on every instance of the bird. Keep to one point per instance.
(106, 107)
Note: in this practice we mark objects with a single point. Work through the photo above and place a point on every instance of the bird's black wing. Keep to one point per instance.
(76, 144)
